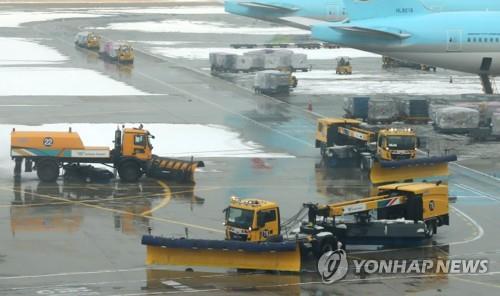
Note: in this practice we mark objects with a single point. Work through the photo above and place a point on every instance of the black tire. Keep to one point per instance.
(430, 228)
(129, 171)
(364, 166)
(47, 170)
(327, 244)
(323, 150)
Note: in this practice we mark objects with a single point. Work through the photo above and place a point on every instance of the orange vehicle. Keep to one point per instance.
(132, 155)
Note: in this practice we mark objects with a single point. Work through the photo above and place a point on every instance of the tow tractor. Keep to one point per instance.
(256, 238)
(388, 154)
(46, 152)
(344, 66)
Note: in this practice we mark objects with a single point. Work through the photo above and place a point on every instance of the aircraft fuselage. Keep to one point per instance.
(462, 41)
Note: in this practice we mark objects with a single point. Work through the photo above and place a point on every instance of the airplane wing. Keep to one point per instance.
(387, 32)
(274, 7)
(302, 22)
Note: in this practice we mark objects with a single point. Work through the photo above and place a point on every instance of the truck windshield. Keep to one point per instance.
(401, 142)
(239, 217)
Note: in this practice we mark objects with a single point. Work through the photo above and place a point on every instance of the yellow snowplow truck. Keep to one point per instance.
(132, 155)
(256, 238)
(388, 154)
(88, 40)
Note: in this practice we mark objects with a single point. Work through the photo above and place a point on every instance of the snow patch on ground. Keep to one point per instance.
(14, 19)
(200, 27)
(48, 81)
(163, 43)
(327, 82)
(198, 53)
(21, 51)
(171, 140)
(178, 10)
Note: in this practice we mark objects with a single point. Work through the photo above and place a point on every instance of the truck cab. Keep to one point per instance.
(252, 220)
(136, 143)
(396, 144)
(125, 53)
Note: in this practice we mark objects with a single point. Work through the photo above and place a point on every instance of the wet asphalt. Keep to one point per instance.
(73, 238)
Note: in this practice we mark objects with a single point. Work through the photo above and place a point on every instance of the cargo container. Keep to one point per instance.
(356, 107)
(278, 59)
(382, 110)
(258, 60)
(248, 63)
(415, 110)
(456, 120)
(299, 62)
(222, 62)
(272, 82)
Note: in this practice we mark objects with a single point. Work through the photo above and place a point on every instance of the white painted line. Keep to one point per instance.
(355, 280)
(473, 196)
(480, 230)
(476, 171)
(480, 193)
(71, 273)
(228, 110)
(30, 105)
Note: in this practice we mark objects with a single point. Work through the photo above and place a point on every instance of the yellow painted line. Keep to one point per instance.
(164, 201)
(90, 201)
(118, 211)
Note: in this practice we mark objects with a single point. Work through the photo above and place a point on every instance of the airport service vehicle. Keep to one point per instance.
(344, 66)
(388, 62)
(389, 154)
(120, 52)
(132, 155)
(274, 82)
(88, 40)
(256, 238)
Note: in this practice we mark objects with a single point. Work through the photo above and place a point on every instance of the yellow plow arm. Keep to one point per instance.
(222, 254)
(396, 171)
(173, 169)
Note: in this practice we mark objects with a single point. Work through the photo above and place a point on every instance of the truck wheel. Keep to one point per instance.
(430, 228)
(326, 245)
(47, 170)
(129, 171)
(323, 150)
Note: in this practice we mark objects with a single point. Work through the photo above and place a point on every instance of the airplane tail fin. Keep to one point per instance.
(366, 9)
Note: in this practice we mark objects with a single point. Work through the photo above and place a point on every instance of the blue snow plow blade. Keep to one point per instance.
(180, 243)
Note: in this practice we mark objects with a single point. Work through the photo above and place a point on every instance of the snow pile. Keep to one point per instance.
(327, 82)
(201, 53)
(48, 81)
(177, 10)
(14, 19)
(199, 27)
(21, 51)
